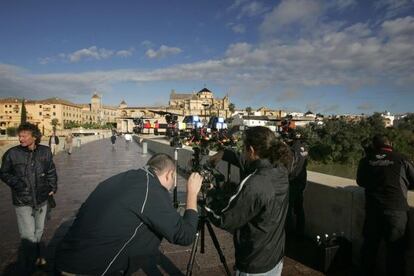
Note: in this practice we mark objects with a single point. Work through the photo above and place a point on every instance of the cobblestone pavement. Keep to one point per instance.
(79, 174)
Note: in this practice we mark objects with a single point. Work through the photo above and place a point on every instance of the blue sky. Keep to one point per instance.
(337, 56)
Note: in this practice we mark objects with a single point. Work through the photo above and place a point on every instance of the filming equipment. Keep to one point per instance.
(212, 178)
(212, 181)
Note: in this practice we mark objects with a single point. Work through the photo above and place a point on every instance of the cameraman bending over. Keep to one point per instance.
(256, 213)
(122, 222)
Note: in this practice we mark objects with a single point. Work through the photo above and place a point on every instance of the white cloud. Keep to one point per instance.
(341, 5)
(392, 8)
(238, 49)
(147, 44)
(289, 12)
(125, 53)
(91, 53)
(252, 9)
(162, 52)
(399, 27)
(351, 57)
(237, 4)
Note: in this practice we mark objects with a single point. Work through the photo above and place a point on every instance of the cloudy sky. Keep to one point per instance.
(336, 56)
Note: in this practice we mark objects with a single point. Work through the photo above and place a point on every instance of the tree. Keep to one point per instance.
(11, 131)
(232, 107)
(54, 123)
(23, 117)
(248, 110)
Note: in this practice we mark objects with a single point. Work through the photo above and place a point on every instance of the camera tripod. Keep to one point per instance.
(202, 222)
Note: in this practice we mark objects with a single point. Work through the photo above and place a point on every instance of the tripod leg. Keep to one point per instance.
(217, 246)
(192, 255)
(202, 237)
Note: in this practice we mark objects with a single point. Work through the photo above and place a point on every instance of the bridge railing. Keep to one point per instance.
(332, 204)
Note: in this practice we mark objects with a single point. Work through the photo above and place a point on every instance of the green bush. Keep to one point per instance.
(11, 131)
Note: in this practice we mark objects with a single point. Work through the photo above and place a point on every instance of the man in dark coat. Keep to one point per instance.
(53, 142)
(297, 185)
(386, 176)
(29, 171)
(122, 223)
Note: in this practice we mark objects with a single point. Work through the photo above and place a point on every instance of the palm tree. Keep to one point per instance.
(232, 107)
(23, 117)
(54, 123)
(248, 110)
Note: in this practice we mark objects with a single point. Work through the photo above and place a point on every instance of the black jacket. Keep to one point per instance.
(31, 175)
(386, 177)
(56, 140)
(123, 216)
(298, 174)
(256, 216)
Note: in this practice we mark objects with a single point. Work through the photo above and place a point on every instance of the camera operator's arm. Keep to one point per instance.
(242, 207)
(163, 219)
(229, 156)
(232, 158)
(193, 187)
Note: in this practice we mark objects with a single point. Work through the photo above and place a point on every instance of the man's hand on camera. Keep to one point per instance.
(193, 187)
(194, 183)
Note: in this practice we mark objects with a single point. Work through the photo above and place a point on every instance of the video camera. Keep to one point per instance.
(212, 178)
(171, 119)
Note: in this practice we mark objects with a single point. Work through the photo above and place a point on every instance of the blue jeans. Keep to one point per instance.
(276, 271)
(31, 222)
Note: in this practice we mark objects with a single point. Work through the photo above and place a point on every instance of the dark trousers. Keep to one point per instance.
(296, 213)
(390, 226)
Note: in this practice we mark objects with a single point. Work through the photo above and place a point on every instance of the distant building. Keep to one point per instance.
(388, 119)
(250, 121)
(202, 103)
(264, 111)
(296, 114)
(42, 112)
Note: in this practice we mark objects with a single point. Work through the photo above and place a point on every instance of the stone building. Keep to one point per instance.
(42, 112)
(202, 103)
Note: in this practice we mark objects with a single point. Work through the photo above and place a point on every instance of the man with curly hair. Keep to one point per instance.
(29, 171)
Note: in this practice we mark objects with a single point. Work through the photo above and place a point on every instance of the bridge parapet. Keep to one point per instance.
(332, 204)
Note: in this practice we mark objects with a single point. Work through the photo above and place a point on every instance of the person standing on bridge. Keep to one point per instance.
(53, 142)
(256, 213)
(386, 176)
(121, 224)
(113, 140)
(29, 171)
(128, 139)
(297, 184)
(69, 143)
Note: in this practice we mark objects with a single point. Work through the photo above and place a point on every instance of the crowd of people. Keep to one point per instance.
(119, 227)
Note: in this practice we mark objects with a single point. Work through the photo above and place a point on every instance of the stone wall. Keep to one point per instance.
(332, 204)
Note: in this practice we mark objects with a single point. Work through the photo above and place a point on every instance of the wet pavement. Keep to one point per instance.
(79, 174)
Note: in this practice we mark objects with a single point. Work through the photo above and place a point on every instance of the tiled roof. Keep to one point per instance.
(175, 96)
(10, 100)
(58, 101)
